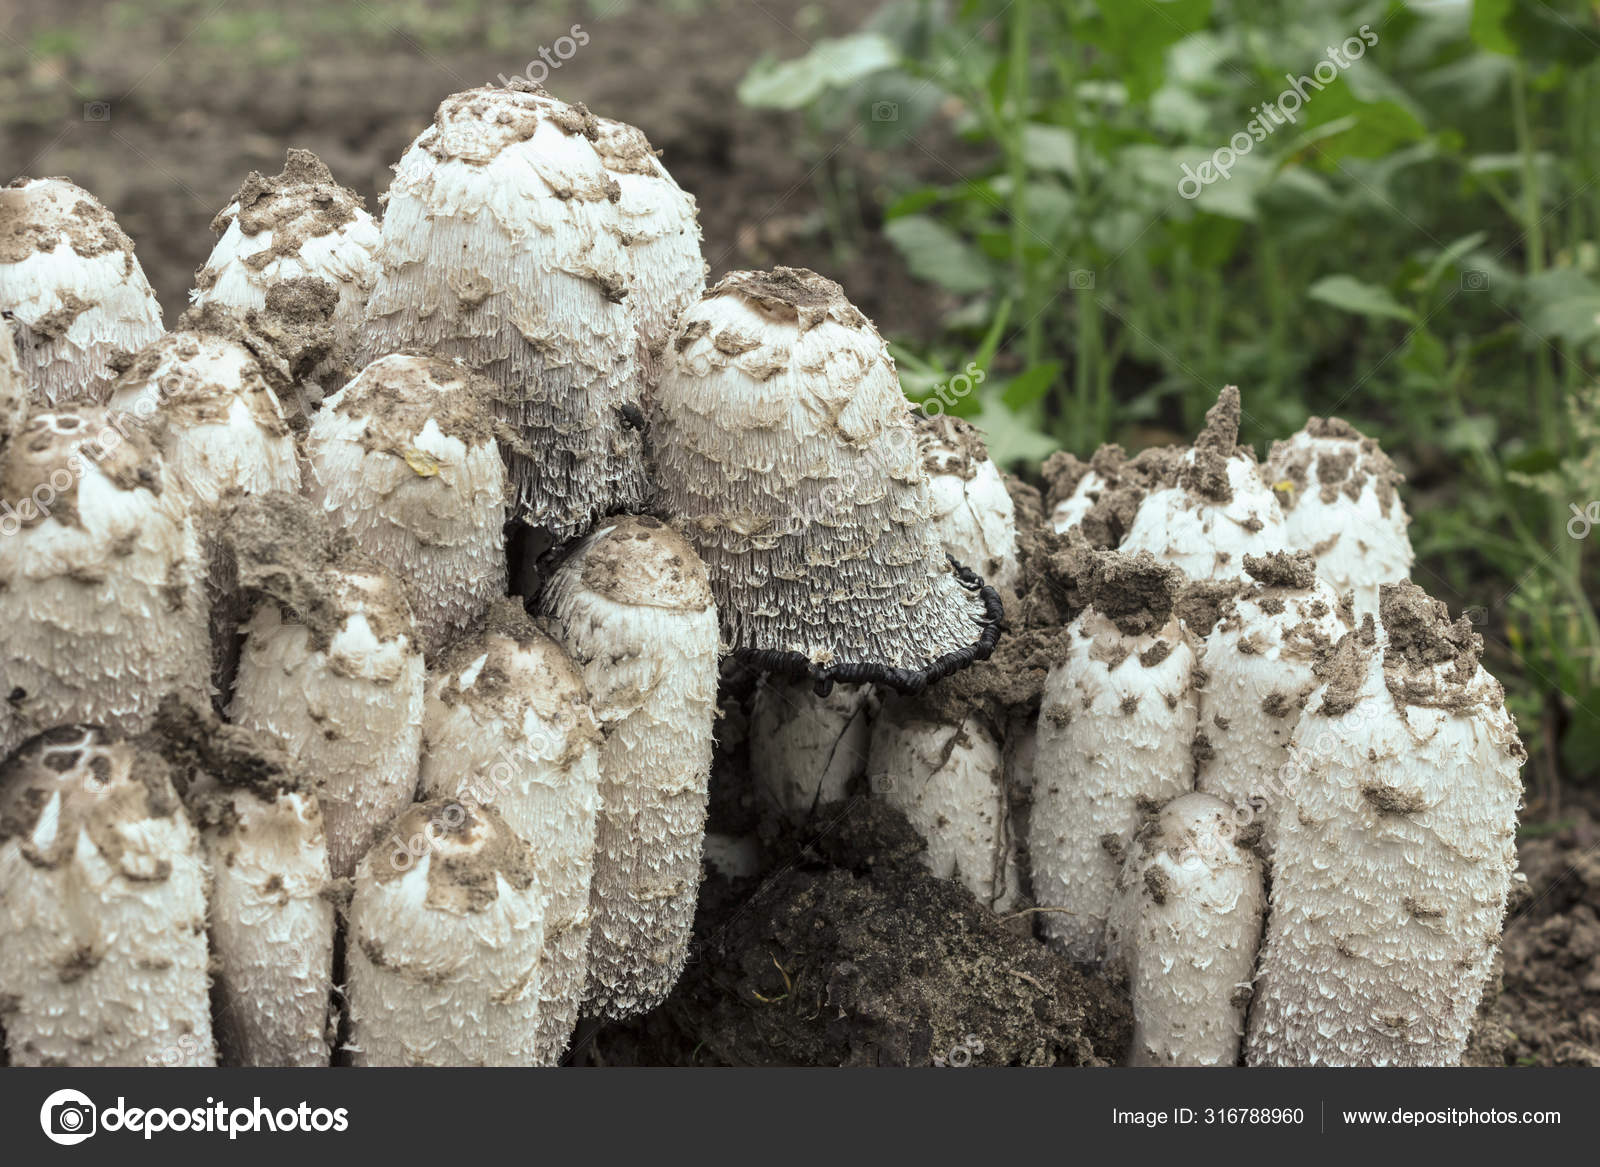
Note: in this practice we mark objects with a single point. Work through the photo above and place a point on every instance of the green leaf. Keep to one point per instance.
(1137, 37)
(831, 64)
(1050, 148)
(1452, 255)
(1011, 436)
(1362, 299)
(1488, 26)
(1030, 387)
(937, 254)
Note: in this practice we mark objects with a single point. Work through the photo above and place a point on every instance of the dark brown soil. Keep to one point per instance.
(849, 954)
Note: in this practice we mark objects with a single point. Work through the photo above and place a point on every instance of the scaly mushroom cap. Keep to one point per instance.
(69, 278)
(972, 510)
(662, 225)
(1185, 925)
(207, 388)
(1395, 849)
(271, 919)
(329, 668)
(1218, 511)
(632, 606)
(102, 906)
(502, 247)
(1115, 728)
(1258, 661)
(784, 444)
(508, 725)
(1340, 502)
(446, 932)
(299, 223)
(13, 388)
(101, 580)
(404, 459)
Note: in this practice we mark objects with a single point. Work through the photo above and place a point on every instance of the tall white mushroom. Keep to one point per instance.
(404, 459)
(1259, 667)
(502, 247)
(508, 725)
(972, 510)
(445, 942)
(1184, 926)
(102, 599)
(783, 441)
(102, 907)
(299, 223)
(1116, 727)
(1341, 503)
(661, 224)
(69, 279)
(1218, 511)
(329, 668)
(807, 750)
(1395, 850)
(271, 919)
(633, 608)
(944, 771)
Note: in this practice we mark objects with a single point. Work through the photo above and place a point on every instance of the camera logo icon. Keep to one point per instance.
(1474, 281)
(97, 111)
(886, 111)
(68, 1117)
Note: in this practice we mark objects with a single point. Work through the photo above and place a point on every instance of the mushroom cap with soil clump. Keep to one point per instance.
(1259, 662)
(508, 725)
(1218, 511)
(271, 918)
(446, 933)
(786, 448)
(1116, 726)
(632, 606)
(1340, 502)
(297, 224)
(329, 668)
(1395, 850)
(502, 248)
(404, 459)
(68, 277)
(102, 907)
(102, 596)
(1184, 926)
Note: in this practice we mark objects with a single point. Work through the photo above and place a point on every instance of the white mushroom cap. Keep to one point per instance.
(972, 509)
(446, 933)
(632, 606)
(101, 578)
(662, 226)
(1339, 497)
(784, 442)
(508, 725)
(68, 276)
(1072, 510)
(298, 223)
(1395, 850)
(404, 459)
(102, 907)
(1219, 510)
(210, 382)
(502, 247)
(1259, 667)
(1185, 926)
(806, 750)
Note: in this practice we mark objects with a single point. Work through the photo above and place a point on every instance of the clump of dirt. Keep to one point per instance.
(1547, 1008)
(1127, 482)
(1207, 474)
(1135, 592)
(1283, 569)
(951, 445)
(197, 743)
(1420, 632)
(850, 954)
(1343, 669)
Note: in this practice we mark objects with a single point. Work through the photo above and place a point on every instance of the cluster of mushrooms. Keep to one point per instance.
(362, 637)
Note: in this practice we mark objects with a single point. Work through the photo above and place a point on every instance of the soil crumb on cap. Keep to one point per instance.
(950, 446)
(795, 293)
(1420, 632)
(1343, 669)
(462, 878)
(1136, 592)
(195, 742)
(1203, 602)
(1283, 569)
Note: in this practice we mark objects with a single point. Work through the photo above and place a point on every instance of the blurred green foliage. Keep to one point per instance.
(1412, 246)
